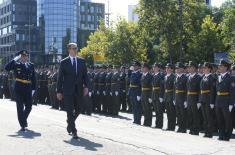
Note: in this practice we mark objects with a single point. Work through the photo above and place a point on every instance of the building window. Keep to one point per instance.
(82, 8)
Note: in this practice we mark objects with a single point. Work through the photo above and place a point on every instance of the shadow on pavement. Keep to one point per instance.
(28, 134)
(87, 144)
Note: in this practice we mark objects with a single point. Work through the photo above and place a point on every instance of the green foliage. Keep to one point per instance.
(156, 36)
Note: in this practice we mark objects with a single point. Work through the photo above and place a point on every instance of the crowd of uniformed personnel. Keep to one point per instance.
(198, 98)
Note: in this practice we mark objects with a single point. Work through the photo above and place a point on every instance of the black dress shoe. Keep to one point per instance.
(69, 130)
(221, 138)
(75, 136)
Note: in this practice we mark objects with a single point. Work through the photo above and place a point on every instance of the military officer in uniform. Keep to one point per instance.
(115, 92)
(193, 90)
(25, 84)
(157, 94)
(123, 89)
(225, 99)
(146, 98)
(107, 97)
(168, 97)
(135, 92)
(207, 98)
(180, 94)
(1, 84)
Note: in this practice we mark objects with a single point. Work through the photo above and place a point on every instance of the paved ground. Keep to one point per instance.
(99, 135)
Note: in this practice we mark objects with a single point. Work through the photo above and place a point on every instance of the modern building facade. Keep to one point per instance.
(132, 16)
(90, 15)
(57, 22)
(17, 28)
(208, 2)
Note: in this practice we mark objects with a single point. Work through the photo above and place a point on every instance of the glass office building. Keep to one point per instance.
(57, 21)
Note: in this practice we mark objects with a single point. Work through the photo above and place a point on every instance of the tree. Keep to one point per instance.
(98, 43)
(206, 42)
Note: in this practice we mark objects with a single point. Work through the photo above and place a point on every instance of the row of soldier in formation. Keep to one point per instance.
(195, 97)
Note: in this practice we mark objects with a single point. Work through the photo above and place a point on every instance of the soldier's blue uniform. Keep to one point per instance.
(24, 84)
(134, 91)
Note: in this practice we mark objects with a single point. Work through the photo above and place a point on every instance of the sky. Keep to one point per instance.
(120, 7)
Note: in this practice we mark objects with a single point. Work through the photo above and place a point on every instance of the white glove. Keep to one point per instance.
(174, 102)
(89, 94)
(161, 100)
(150, 100)
(212, 106)
(33, 91)
(111, 94)
(104, 93)
(116, 93)
(138, 98)
(230, 108)
(124, 91)
(198, 105)
(17, 58)
(98, 92)
(185, 104)
(1, 86)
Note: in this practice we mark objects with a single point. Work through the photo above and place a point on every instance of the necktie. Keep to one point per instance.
(74, 65)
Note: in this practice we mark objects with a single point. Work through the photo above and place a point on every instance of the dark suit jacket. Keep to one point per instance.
(68, 79)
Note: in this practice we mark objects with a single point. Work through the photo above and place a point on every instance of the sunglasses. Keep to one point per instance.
(75, 48)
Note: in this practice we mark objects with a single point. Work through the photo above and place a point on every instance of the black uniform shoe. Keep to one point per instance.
(75, 136)
(69, 130)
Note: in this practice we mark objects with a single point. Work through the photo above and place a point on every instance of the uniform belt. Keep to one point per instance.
(133, 86)
(113, 83)
(179, 91)
(146, 89)
(156, 88)
(192, 93)
(168, 90)
(23, 81)
(222, 93)
(205, 91)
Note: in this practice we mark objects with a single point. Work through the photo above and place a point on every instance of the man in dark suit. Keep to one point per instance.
(71, 85)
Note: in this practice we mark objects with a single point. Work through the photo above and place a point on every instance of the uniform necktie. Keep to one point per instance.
(74, 65)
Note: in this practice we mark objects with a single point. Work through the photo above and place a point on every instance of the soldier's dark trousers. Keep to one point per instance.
(207, 118)
(72, 107)
(181, 113)
(147, 110)
(115, 104)
(171, 115)
(194, 118)
(137, 111)
(123, 101)
(224, 122)
(159, 110)
(23, 94)
(1, 92)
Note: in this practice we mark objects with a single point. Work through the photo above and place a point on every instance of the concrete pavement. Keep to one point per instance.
(99, 135)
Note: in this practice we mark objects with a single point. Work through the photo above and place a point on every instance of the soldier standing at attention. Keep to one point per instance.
(180, 97)
(168, 97)
(225, 99)
(123, 89)
(135, 92)
(193, 88)
(157, 95)
(115, 92)
(25, 84)
(207, 98)
(146, 98)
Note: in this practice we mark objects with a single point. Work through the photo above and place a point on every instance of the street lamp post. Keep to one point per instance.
(181, 29)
